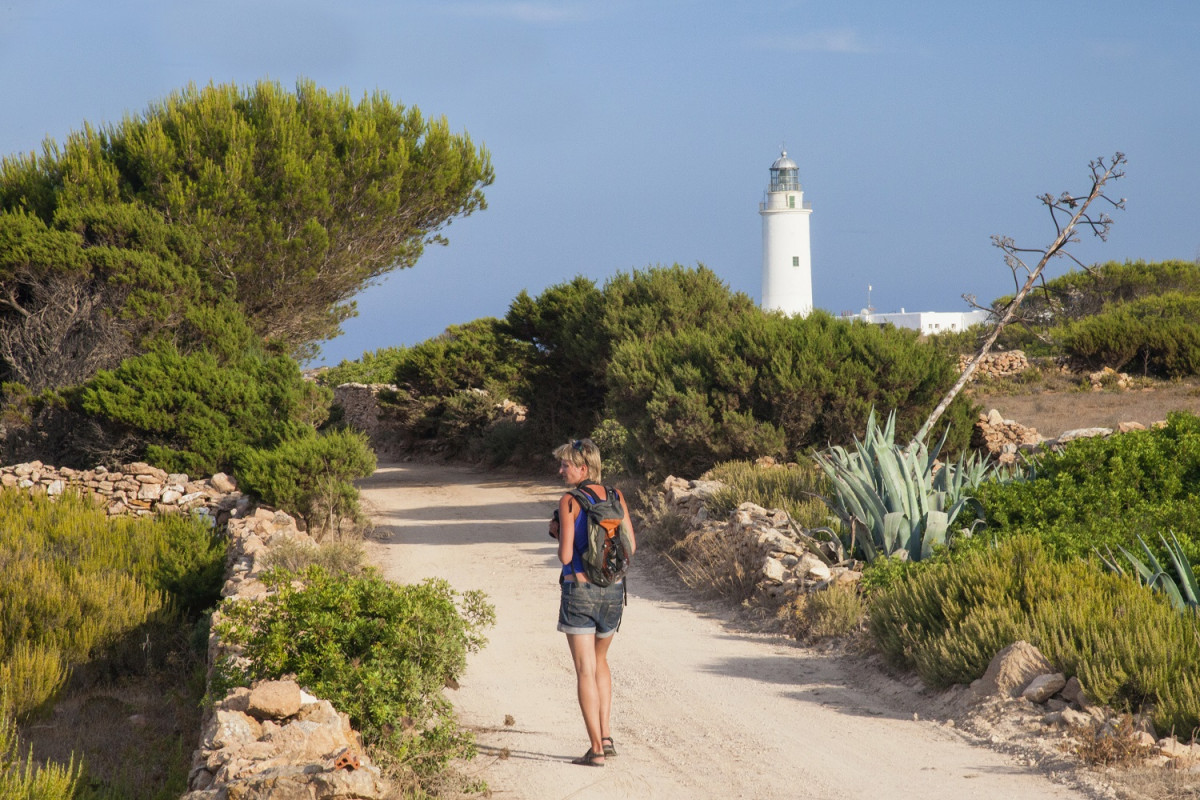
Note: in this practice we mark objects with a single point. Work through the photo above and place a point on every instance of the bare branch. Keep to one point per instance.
(1075, 209)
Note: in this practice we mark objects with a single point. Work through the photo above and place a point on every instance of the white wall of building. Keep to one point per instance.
(927, 322)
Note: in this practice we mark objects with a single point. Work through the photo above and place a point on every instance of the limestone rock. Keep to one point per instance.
(1012, 670)
(274, 700)
(1043, 687)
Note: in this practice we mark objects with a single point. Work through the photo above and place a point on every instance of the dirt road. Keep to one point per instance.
(701, 709)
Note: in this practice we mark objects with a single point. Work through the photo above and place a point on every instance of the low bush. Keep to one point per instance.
(1128, 646)
(310, 476)
(380, 652)
(374, 366)
(715, 563)
(834, 612)
(1101, 493)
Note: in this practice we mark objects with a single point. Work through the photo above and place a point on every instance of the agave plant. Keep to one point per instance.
(893, 495)
(1184, 594)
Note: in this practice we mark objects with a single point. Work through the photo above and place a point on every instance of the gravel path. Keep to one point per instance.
(701, 709)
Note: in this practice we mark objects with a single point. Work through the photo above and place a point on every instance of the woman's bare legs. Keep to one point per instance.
(593, 683)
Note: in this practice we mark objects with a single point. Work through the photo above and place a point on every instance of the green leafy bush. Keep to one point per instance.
(1100, 493)
(1155, 336)
(195, 410)
(374, 366)
(310, 475)
(1127, 646)
(378, 651)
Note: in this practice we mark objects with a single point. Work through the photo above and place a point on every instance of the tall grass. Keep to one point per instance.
(72, 583)
(795, 488)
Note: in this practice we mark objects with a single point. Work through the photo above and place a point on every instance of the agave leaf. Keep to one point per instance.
(936, 525)
(1183, 568)
(895, 533)
(895, 488)
(1145, 573)
(937, 449)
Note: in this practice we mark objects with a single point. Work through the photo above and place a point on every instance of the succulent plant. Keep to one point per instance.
(900, 499)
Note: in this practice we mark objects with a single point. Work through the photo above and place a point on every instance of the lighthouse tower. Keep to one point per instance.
(787, 263)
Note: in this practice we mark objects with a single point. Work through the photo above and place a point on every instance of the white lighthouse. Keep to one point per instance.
(787, 262)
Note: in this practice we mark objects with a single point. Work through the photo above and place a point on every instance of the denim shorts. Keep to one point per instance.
(588, 608)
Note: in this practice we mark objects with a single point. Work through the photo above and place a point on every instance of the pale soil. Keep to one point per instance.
(703, 708)
(1055, 412)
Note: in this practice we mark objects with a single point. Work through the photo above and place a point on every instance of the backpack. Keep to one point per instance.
(606, 559)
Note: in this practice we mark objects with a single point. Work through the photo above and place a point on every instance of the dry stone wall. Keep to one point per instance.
(996, 364)
(274, 740)
(788, 560)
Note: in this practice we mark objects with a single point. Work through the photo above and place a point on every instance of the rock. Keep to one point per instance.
(813, 568)
(1043, 687)
(274, 700)
(773, 570)
(1012, 670)
(1083, 433)
(1072, 692)
(222, 483)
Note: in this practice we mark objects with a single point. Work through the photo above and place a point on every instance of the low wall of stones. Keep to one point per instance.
(274, 740)
(788, 561)
(1003, 364)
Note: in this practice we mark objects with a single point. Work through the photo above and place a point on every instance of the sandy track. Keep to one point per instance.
(701, 709)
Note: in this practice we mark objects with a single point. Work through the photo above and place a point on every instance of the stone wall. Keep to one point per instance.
(136, 489)
(996, 364)
(274, 740)
(788, 560)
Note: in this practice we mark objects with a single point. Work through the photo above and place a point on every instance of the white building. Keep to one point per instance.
(787, 260)
(926, 322)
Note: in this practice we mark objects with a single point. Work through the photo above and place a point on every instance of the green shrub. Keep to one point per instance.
(374, 366)
(1153, 335)
(1100, 493)
(1127, 646)
(378, 651)
(310, 476)
(195, 410)
(831, 613)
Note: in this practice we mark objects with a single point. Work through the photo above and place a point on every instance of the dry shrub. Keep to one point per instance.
(658, 526)
(340, 557)
(710, 561)
(831, 613)
(1115, 743)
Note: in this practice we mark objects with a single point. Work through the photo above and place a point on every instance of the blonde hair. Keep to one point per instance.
(581, 453)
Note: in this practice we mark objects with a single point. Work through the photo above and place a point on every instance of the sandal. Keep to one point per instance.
(610, 749)
(588, 759)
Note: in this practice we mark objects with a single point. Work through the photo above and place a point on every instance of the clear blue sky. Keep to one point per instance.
(626, 134)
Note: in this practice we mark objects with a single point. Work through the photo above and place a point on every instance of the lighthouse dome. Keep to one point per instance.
(783, 162)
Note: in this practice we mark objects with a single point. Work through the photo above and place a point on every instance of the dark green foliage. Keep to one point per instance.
(1127, 645)
(300, 198)
(310, 475)
(477, 355)
(378, 651)
(1157, 336)
(374, 366)
(1101, 493)
(195, 410)
(769, 385)
(1137, 316)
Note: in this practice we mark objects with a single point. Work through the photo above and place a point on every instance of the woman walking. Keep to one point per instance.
(588, 614)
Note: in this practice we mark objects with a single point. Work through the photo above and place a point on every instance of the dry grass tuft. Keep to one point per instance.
(711, 562)
(835, 612)
(1116, 743)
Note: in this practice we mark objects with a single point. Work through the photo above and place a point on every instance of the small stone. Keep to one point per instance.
(274, 699)
(1043, 687)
